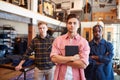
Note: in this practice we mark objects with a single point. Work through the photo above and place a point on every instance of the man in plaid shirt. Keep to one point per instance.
(41, 45)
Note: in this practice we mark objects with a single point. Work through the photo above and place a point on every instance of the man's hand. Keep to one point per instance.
(75, 57)
(17, 68)
(98, 63)
(94, 57)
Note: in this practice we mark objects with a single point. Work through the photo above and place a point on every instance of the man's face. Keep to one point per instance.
(73, 25)
(97, 33)
(42, 29)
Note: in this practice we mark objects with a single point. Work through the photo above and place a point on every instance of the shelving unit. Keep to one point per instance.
(31, 15)
(7, 36)
(10, 8)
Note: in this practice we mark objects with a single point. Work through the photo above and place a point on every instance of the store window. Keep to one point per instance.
(112, 34)
(108, 36)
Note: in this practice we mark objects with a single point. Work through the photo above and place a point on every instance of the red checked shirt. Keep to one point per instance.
(58, 48)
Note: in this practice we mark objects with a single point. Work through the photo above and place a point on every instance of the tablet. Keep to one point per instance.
(71, 50)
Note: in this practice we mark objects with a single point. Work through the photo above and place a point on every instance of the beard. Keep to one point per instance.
(97, 38)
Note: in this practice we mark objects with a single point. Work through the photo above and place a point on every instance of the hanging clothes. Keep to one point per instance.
(20, 46)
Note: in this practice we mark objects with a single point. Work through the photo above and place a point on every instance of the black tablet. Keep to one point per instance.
(71, 50)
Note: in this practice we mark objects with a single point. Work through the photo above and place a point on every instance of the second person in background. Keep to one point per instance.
(101, 54)
(41, 45)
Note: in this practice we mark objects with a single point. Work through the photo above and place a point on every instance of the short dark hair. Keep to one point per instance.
(98, 25)
(71, 16)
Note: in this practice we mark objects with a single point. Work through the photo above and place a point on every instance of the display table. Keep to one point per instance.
(23, 70)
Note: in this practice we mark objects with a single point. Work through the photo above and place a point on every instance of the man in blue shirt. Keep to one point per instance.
(101, 54)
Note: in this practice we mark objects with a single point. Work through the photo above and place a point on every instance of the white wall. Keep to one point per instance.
(21, 28)
(118, 10)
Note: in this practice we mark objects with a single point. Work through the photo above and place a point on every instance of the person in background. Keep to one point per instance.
(70, 67)
(20, 46)
(41, 45)
(101, 55)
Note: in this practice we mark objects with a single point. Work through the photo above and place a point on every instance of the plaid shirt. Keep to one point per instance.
(42, 49)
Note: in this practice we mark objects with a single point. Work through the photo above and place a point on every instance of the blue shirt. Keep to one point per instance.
(103, 71)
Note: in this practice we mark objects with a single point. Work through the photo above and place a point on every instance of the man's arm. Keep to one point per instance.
(104, 58)
(19, 66)
(77, 64)
(96, 59)
(64, 59)
(26, 55)
(73, 61)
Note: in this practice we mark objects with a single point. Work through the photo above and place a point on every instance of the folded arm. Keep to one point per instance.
(73, 61)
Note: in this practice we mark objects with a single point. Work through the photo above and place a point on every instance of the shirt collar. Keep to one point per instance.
(67, 36)
(102, 41)
(42, 38)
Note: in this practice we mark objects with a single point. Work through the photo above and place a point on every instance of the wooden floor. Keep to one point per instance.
(7, 74)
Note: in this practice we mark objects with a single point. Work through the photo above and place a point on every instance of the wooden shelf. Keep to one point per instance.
(10, 8)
